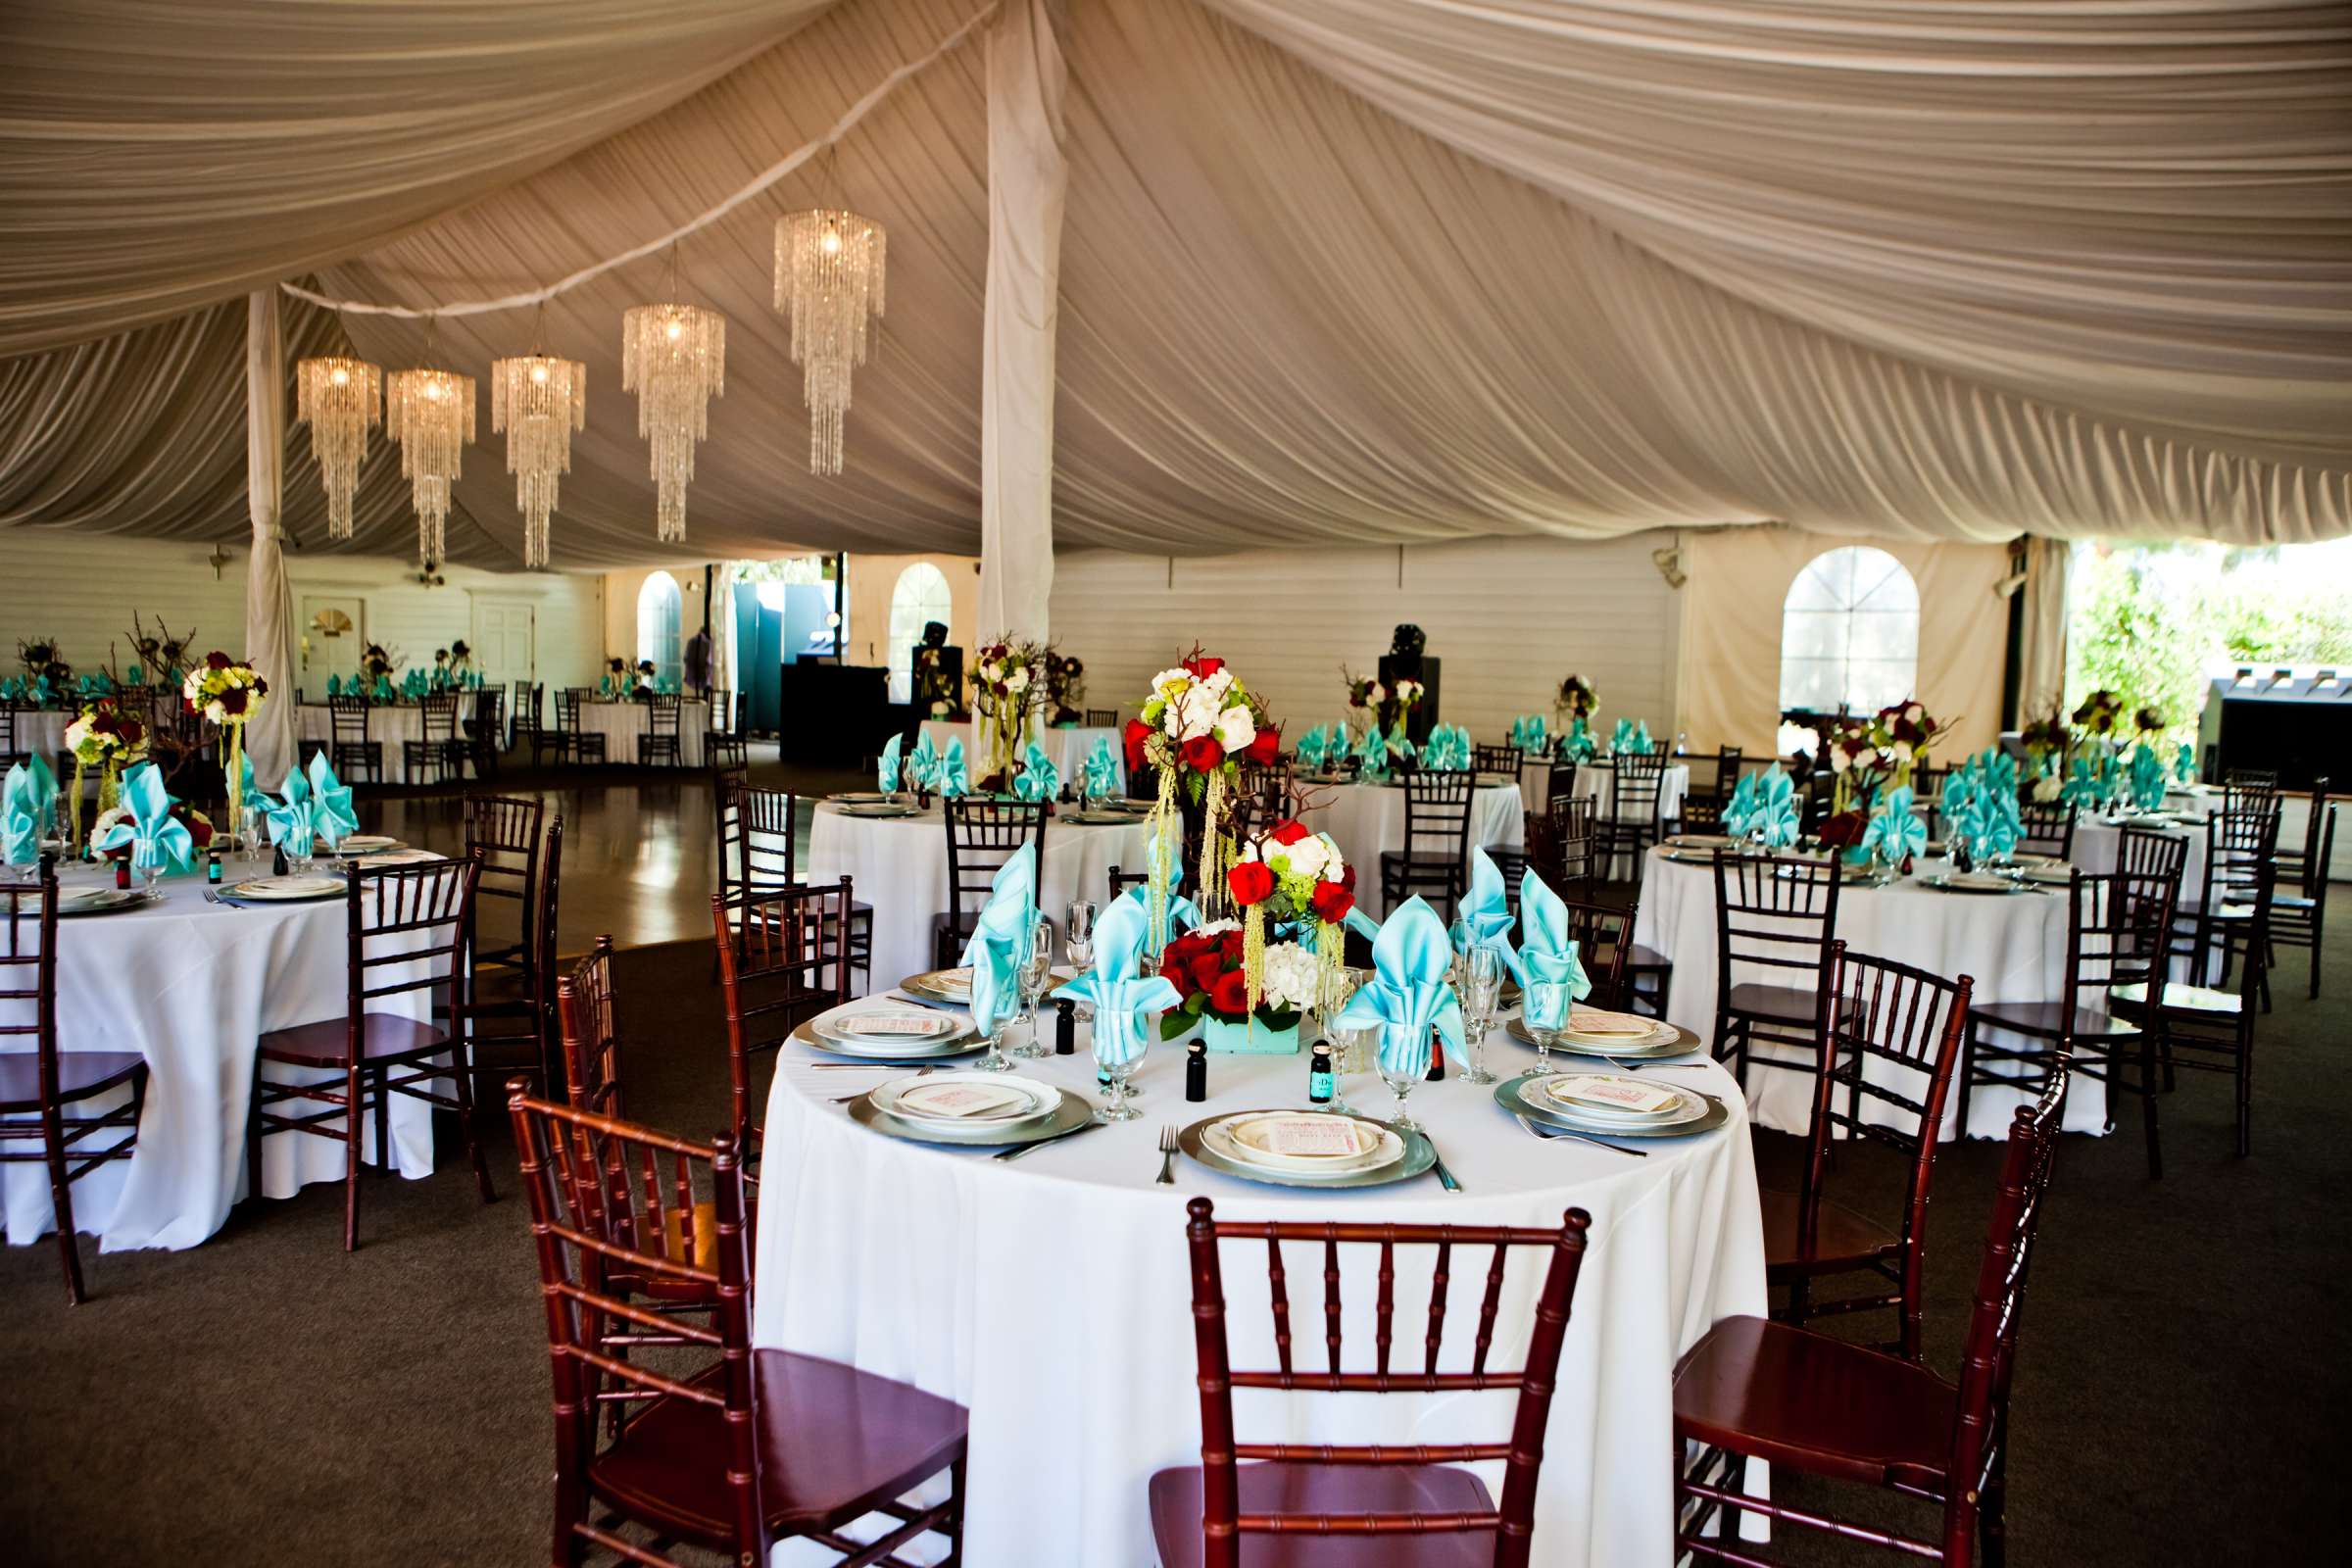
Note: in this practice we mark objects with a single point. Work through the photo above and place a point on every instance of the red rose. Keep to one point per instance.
(1231, 993)
(1204, 666)
(102, 723)
(132, 733)
(261, 687)
(216, 660)
(1250, 882)
(232, 701)
(200, 834)
(1230, 944)
(1174, 973)
(1137, 732)
(1203, 972)
(1265, 745)
(1842, 830)
(1202, 753)
(1291, 832)
(1347, 876)
(1333, 901)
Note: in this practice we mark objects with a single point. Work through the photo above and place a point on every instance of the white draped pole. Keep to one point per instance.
(269, 603)
(1027, 177)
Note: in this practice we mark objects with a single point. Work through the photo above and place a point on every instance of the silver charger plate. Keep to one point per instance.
(1508, 1096)
(962, 1043)
(99, 900)
(1419, 1156)
(1074, 1113)
(1102, 819)
(356, 844)
(859, 798)
(1684, 1043)
(882, 808)
(2001, 887)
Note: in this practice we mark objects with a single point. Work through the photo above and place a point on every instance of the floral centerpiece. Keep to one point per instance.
(1578, 699)
(226, 692)
(1384, 704)
(109, 739)
(159, 649)
(1199, 722)
(2047, 742)
(1210, 969)
(461, 658)
(377, 664)
(1065, 688)
(43, 662)
(1869, 755)
(2099, 714)
(1008, 682)
(640, 689)
(1302, 881)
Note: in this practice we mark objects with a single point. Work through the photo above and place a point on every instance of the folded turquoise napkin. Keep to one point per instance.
(1000, 938)
(334, 685)
(922, 763)
(2086, 784)
(1039, 779)
(2147, 779)
(1547, 957)
(1123, 1004)
(332, 816)
(1998, 769)
(20, 819)
(293, 821)
(1310, 750)
(1739, 814)
(1485, 918)
(1447, 751)
(886, 777)
(158, 842)
(1775, 821)
(1621, 739)
(42, 791)
(1408, 996)
(954, 779)
(1372, 756)
(1960, 794)
(1577, 746)
(1101, 776)
(11, 688)
(1896, 830)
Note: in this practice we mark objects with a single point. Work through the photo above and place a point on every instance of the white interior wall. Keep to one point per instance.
(1509, 617)
(83, 591)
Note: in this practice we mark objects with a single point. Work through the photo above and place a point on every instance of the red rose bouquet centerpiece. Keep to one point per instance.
(226, 692)
(1210, 968)
(1300, 882)
(108, 739)
(1008, 686)
(1199, 722)
(1869, 755)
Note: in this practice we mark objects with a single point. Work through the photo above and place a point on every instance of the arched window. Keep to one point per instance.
(920, 596)
(1849, 636)
(658, 603)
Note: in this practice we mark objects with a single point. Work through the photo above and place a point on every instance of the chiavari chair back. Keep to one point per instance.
(514, 1006)
(2299, 918)
(486, 730)
(660, 741)
(406, 934)
(1505, 760)
(1121, 881)
(507, 831)
(573, 743)
(2238, 843)
(584, 1014)
(723, 742)
(1632, 822)
(1435, 861)
(747, 1449)
(1603, 934)
(1885, 1075)
(1206, 1514)
(1268, 785)
(982, 835)
(2211, 1029)
(351, 752)
(783, 957)
(47, 1113)
(1778, 916)
(2046, 827)
(1820, 1406)
(1102, 719)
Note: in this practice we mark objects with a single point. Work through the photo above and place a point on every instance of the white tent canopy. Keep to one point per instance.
(1329, 270)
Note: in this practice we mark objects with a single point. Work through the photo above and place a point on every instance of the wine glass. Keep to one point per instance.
(1078, 936)
(1036, 970)
(994, 1061)
(1482, 991)
(1401, 1085)
(1547, 999)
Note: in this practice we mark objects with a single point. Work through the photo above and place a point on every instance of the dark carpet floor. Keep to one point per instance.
(265, 1399)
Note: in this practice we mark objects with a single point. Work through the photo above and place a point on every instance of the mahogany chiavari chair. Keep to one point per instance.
(1102, 719)
(1603, 934)
(750, 1447)
(982, 835)
(757, 854)
(1121, 881)
(1779, 916)
(2116, 936)
(1435, 861)
(1505, 758)
(659, 743)
(1268, 785)
(2299, 919)
(46, 1095)
(514, 1006)
(1634, 819)
(2239, 844)
(506, 829)
(2046, 827)
(429, 757)
(1887, 1065)
(2209, 1029)
(353, 750)
(724, 744)
(573, 743)
(781, 959)
(1396, 1507)
(1807, 1403)
(485, 733)
(1563, 846)
(406, 934)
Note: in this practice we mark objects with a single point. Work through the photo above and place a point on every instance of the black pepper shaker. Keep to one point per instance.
(278, 860)
(1065, 1027)
(1196, 1071)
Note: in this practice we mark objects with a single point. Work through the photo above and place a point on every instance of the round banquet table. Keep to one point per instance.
(1367, 821)
(389, 725)
(624, 725)
(1051, 1296)
(191, 986)
(2013, 945)
(42, 731)
(2098, 840)
(899, 866)
(1067, 745)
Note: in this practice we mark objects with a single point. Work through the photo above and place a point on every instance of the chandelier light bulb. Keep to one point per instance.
(340, 399)
(674, 357)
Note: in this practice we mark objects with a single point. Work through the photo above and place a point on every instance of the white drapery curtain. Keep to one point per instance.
(2041, 644)
(269, 602)
(1367, 271)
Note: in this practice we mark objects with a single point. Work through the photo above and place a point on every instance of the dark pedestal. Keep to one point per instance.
(1422, 669)
(836, 713)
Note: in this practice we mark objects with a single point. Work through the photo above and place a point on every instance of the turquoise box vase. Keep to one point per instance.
(1254, 1036)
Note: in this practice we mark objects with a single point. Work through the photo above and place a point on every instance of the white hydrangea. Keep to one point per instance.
(1235, 728)
(1200, 709)
(1293, 976)
(1018, 680)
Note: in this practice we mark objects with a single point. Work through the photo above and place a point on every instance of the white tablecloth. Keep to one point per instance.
(1052, 1297)
(1067, 747)
(42, 731)
(2098, 842)
(899, 866)
(2013, 945)
(1592, 779)
(191, 986)
(390, 725)
(1368, 820)
(623, 723)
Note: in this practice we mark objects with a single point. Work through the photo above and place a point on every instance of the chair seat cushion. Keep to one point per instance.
(383, 1036)
(1310, 1489)
(832, 1442)
(2048, 1020)
(1814, 1403)
(1777, 1003)
(80, 1074)
(1841, 1238)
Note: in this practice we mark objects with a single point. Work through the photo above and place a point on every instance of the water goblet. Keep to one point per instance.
(1401, 1085)
(994, 1061)
(1552, 1000)
(1482, 991)
(1036, 970)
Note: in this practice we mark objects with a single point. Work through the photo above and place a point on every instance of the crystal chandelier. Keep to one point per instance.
(538, 402)
(830, 271)
(674, 357)
(430, 413)
(339, 399)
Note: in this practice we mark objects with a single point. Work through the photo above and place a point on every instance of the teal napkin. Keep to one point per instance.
(100, 684)
(158, 843)
(20, 819)
(1123, 1004)
(1896, 830)
(11, 688)
(2185, 763)
(1101, 776)
(1642, 745)
(1775, 809)
(922, 763)
(332, 816)
(2086, 784)
(1546, 956)
(2147, 779)
(334, 685)
(1958, 800)
(1183, 912)
(887, 776)
(1739, 812)
(1312, 749)
(1621, 739)
(1000, 938)
(136, 675)
(954, 779)
(1039, 778)
(1998, 769)
(247, 789)
(293, 816)
(43, 797)
(1577, 746)
(1447, 751)
(383, 689)
(1408, 996)
(1399, 747)
(1372, 754)
(1485, 918)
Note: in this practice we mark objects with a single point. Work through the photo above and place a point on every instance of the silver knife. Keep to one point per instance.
(1018, 1150)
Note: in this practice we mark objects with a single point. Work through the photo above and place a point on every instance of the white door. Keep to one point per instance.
(331, 637)
(505, 641)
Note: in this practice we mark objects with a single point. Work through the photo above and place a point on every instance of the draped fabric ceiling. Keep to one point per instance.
(1375, 271)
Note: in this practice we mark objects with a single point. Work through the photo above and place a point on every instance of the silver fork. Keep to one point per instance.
(1167, 1156)
(843, 1100)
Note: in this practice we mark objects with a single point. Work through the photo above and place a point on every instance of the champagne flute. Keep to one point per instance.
(1078, 936)
(1338, 986)
(1482, 991)
(1036, 970)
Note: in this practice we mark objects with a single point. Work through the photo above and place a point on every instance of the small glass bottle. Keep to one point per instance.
(122, 874)
(278, 860)
(1196, 1071)
(1320, 1086)
(212, 867)
(1065, 1027)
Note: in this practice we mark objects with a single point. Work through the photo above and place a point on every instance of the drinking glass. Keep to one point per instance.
(1034, 974)
(1346, 1044)
(1123, 1093)
(1401, 1085)
(1078, 936)
(994, 1061)
(1482, 991)
(1550, 999)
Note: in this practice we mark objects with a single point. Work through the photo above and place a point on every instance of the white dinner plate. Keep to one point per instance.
(99, 900)
(400, 857)
(366, 844)
(1554, 1092)
(931, 1101)
(941, 985)
(286, 889)
(882, 808)
(1973, 882)
(1246, 1138)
